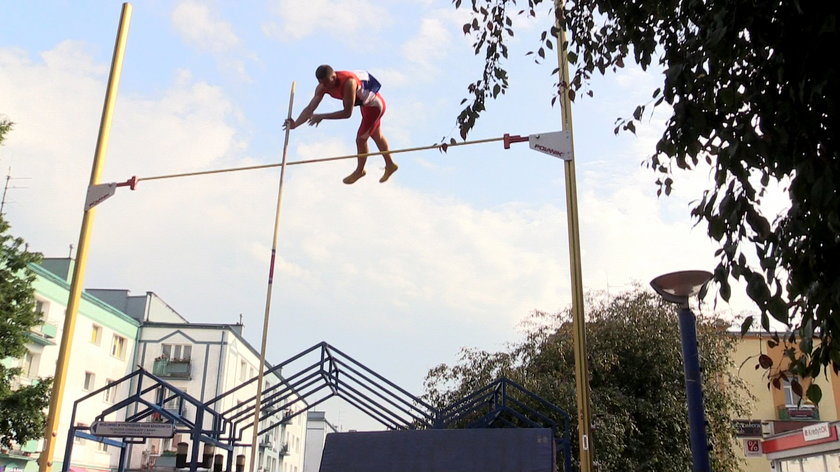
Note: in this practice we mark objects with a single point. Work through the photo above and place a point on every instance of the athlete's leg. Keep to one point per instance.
(382, 145)
(369, 118)
(381, 142)
(361, 148)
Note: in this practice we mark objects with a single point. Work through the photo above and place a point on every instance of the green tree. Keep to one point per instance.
(636, 377)
(752, 95)
(21, 410)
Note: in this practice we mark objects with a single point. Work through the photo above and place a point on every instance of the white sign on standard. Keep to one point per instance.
(124, 429)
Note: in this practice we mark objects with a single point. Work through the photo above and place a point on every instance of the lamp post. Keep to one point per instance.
(677, 287)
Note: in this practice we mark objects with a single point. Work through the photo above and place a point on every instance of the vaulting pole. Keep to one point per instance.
(258, 398)
(578, 319)
(60, 378)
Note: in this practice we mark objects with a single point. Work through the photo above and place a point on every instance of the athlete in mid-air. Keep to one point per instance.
(352, 88)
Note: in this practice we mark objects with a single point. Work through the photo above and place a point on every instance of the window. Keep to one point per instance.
(41, 307)
(832, 461)
(791, 398)
(89, 379)
(110, 392)
(96, 334)
(26, 368)
(180, 352)
(815, 463)
(243, 371)
(102, 447)
(77, 439)
(175, 404)
(118, 347)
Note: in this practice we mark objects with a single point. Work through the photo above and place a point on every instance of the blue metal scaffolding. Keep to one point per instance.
(312, 377)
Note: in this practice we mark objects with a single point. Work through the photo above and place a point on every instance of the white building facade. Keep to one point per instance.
(102, 351)
(205, 361)
(115, 332)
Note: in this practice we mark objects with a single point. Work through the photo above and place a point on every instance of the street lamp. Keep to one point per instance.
(677, 287)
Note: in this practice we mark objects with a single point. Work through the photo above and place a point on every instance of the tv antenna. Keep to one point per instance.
(6, 187)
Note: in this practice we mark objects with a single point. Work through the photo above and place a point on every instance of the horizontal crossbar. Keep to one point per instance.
(132, 182)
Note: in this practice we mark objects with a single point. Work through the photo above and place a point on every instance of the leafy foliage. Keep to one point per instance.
(5, 127)
(21, 410)
(753, 96)
(636, 379)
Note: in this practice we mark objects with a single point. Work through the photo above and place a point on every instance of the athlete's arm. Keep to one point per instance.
(347, 112)
(308, 111)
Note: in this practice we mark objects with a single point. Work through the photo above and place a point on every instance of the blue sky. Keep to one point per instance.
(455, 250)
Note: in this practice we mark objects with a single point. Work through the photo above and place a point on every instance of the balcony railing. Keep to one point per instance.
(801, 412)
(19, 382)
(173, 368)
(44, 334)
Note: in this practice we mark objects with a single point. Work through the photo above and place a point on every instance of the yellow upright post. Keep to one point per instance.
(258, 397)
(578, 319)
(57, 396)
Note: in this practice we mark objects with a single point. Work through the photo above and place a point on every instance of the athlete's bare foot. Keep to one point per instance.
(388, 171)
(352, 178)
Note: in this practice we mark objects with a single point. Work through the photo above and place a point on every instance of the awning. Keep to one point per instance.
(76, 468)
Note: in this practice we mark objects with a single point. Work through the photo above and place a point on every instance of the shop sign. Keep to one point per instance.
(752, 447)
(747, 428)
(816, 431)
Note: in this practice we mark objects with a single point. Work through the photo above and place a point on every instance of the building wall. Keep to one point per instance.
(207, 347)
(295, 437)
(317, 428)
(92, 363)
(765, 406)
(220, 360)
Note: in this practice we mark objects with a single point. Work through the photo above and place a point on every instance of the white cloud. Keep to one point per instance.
(202, 28)
(429, 45)
(52, 144)
(393, 77)
(435, 43)
(346, 19)
(56, 110)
